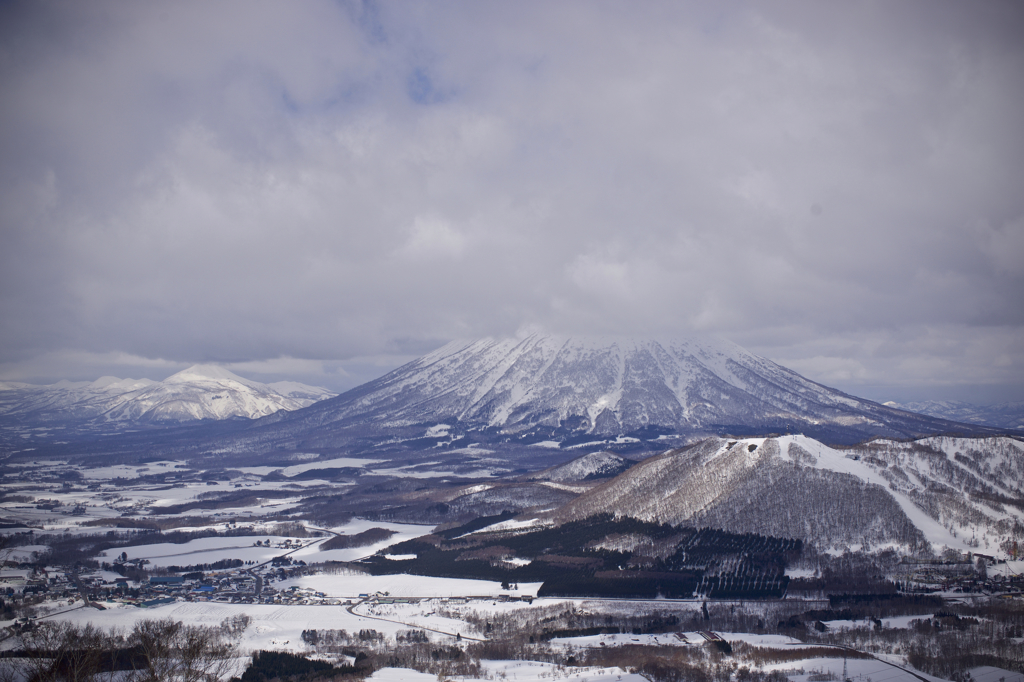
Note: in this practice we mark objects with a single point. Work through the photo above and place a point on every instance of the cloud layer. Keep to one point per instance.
(312, 186)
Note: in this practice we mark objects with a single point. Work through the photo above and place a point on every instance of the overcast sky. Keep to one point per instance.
(322, 190)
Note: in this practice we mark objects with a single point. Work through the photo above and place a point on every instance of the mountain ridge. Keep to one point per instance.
(196, 393)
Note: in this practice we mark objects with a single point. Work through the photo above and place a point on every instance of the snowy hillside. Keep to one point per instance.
(953, 492)
(199, 392)
(588, 467)
(607, 387)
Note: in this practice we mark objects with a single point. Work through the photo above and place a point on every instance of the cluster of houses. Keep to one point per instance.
(32, 586)
(974, 573)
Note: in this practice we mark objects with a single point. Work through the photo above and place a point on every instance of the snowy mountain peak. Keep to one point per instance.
(616, 385)
(113, 384)
(206, 373)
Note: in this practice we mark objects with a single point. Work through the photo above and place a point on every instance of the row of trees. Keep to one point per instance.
(152, 651)
(572, 559)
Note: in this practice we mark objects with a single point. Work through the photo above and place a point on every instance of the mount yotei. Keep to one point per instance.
(566, 392)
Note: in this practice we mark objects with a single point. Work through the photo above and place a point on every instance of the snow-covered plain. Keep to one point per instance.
(988, 673)
(279, 627)
(206, 550)
(677, 639)
(899, 622)
(244, 547)
(858, 669)
(400, 585)
(272, 627)
(521, 671)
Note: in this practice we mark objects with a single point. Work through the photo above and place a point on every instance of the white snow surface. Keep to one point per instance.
(987, 673)
(678, 639)
(350, 586)
(857, 669)
(521, 671)
(211, 549)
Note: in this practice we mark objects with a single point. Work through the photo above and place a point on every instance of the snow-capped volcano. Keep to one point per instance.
(199, 392)
(611, 386)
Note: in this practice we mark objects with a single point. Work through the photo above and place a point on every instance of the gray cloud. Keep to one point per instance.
(836, 187)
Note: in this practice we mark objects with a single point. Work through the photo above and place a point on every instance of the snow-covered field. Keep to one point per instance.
(352, 585)
(22, 552)
(900, 622)
(522, 671)
(295, 469)
(272, 626)
(989, 674)
(1010, 568)
(859, 670)
(678, 639)
(209, 550)
(403, 532)
(280, 627)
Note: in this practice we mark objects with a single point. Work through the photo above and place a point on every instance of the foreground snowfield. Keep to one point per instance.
(280, 627)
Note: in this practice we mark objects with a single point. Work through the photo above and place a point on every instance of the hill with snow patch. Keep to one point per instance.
(947, 492)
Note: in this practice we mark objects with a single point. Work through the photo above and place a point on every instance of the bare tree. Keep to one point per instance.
(14, 669)
(63, 651)
(171, 650)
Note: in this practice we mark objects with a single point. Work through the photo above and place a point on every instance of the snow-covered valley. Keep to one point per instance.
(546, 508)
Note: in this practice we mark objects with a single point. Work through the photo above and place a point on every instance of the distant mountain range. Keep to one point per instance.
(197, 393)
(526, 397)
(1003, 415)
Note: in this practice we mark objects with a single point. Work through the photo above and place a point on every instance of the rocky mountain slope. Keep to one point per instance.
(199, 392)
(961, 493)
